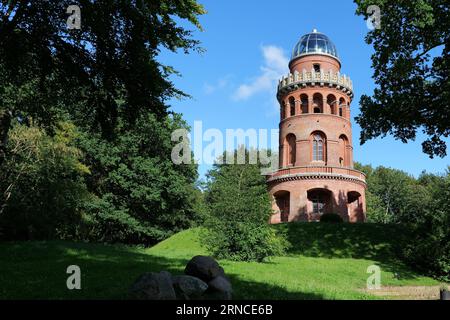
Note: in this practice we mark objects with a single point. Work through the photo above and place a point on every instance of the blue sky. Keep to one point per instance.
(248, 44)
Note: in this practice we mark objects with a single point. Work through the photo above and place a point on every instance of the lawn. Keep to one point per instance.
(325, 261)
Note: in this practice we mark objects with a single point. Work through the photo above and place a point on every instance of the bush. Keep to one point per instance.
(331, 217)
(104, 223)
(243, 241)
(239, 211)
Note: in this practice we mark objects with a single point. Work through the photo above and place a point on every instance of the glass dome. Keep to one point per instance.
(314, 43)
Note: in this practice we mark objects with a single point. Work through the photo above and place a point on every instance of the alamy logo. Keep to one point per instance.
(374, 18)
(210, 145)
(374, 280)
(74, 280)
(74, 20)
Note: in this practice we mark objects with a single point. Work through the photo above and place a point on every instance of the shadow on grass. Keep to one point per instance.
(381, 243)
(248, 290)
(37, 270)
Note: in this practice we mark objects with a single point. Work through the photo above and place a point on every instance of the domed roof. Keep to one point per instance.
(314, 43)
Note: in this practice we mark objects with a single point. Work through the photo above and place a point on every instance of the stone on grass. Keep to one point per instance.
(219, 288)
(220, 283)
(203, 267)
(188, 287)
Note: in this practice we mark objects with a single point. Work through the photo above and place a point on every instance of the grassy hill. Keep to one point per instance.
(325, 261)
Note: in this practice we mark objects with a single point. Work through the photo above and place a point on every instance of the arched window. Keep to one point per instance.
(332, 102)
(318, 146)
(317, 103)
(291, 150)
(292, 106)
(305, 103)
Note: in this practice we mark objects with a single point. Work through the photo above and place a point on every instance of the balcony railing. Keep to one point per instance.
(322, 78)
(319, 170)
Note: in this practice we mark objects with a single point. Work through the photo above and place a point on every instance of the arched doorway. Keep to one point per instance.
(291, 141)
(355, 206)
(332, 103)
(342, 106)
(317, 103)
(282, 200)
(291, 106)
(304, 103)
(344, 159)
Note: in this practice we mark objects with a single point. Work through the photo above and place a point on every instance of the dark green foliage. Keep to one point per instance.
(43, 183)
(240, 209)
(5, 123)
(411, 69)
(106, 79)
(144, 196)
(103, 71)
(126, 190)
(393, 196)
(380, 242)
(422, 206)
(429, 246)
(331, 218)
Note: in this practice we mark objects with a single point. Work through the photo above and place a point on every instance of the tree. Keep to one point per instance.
(411, 70)
(106, 79)
(239, 212)
(105, 70)
(393, 196)
(421, 206)
(43, 183)
(375, 209)
(141, 196)
(429, 246)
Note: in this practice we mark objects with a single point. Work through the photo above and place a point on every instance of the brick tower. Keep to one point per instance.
(316, 174)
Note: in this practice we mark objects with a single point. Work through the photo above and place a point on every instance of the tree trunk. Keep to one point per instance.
(5, 122)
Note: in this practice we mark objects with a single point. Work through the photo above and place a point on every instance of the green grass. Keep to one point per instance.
(325, 261)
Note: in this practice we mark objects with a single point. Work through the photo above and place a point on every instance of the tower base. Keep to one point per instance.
(307, 197)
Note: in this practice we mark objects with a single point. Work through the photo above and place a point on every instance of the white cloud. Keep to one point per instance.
(220, 84)
(275, 58)
(275, 66)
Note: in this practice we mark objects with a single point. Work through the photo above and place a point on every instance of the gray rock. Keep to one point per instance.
(188, 287)
(219, 288)
(204, 268)
(220, 283)
(153, 286)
